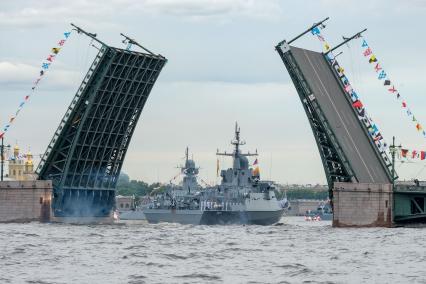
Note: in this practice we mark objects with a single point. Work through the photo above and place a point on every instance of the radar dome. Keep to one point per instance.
(244, 163)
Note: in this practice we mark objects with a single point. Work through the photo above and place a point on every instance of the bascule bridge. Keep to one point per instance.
(87, 151)
(352, 157)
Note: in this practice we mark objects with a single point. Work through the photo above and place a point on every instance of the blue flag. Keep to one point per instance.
(364, 43)
(382, 75)
(315, 31)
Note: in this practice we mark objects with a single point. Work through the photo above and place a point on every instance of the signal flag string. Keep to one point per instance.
(388, 84)
(411, 154)
(44, 68)
(363, 116)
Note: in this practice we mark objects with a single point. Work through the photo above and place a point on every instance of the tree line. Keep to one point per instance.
(127, 187)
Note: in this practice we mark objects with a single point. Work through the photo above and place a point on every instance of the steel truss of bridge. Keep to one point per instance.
(86, 153)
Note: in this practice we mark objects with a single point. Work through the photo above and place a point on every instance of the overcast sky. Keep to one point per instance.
(222, 68)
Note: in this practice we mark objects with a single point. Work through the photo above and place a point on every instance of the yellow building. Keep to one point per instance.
(20, 168)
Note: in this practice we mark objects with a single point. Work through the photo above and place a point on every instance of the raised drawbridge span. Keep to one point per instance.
(86, 153)
(352, 149)
(348, 152)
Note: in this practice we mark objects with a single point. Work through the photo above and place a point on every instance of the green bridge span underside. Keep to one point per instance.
(409, 203)
(86, 153)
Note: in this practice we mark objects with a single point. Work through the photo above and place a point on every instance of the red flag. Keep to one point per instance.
(378, 137)
(367, 52)
(255, 163)
(377, 68)
(27, 97)
(1, 135)
(414, 154)
(404, 153)
(357, 104)
(404, 104)
(422, 155)
(392, 90)
(50, 58)
(61, 42)
(348, 88)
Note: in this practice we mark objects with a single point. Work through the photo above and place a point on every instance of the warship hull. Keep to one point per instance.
(173, 216)
(241, 217)
(213, 217)
(132, 215)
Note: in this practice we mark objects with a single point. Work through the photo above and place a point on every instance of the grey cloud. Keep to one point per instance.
(196, 9)
(43, 13)
(23, 75)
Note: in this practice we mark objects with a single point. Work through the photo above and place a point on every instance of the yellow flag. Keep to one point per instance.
(56, 50)
(326, 46)
(256, 172)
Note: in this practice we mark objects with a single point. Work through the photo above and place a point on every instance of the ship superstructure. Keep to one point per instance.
(241, 198)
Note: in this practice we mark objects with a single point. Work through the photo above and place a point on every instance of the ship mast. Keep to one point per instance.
(237, 142)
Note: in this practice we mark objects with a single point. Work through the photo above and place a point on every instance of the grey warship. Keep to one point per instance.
(180, 203)
(241, 198)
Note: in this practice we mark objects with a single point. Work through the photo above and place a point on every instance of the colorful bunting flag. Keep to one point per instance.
(45, 66)
(316, 31)
(367, 52)
(357, 104)
(411, 154)
(376, 136)
(372, 59)
(382, 75)
(392, 90)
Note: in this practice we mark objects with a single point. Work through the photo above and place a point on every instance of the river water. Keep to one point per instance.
(295, 251)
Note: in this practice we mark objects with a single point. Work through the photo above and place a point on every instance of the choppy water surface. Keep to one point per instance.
(294, 252)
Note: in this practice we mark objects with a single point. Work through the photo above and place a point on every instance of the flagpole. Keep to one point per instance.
(2, 157)
(393, 152)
